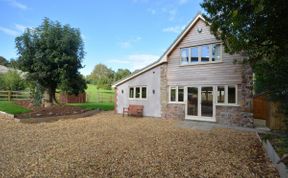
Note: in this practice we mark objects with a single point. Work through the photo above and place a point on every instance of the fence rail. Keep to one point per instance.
(100, 97)
(14, 95)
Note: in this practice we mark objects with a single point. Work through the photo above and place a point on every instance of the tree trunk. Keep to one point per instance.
(49, 97)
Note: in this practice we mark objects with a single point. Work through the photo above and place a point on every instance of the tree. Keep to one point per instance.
(102, 76)
(52, 55)
(121, 73)
(3, 61)
(12, 80)
(259, 29)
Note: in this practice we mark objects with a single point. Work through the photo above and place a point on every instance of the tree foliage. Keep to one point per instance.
(258, 28)
(121, 73)
(102, 76)
(3, 61)
(52, 55)
(12, 80)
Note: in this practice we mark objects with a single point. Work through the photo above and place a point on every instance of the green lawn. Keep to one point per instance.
(97, 99)
(91, 106)
(12, 108)
(99, 95)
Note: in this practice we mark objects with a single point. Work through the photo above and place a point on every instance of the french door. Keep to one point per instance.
(200, 103)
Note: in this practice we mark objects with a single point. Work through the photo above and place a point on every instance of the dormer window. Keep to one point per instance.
(209, 53)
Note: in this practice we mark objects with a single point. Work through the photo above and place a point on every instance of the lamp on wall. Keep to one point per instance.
(122, 91)
(199, 29)
(153, 91)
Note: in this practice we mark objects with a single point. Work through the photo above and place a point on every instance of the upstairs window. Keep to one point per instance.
(205, 53)
(201, 54)
(185, 55)
(194, 55)
(216, 52)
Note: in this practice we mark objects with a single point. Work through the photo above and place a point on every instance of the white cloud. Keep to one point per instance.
(17, 4)
(20, 27)
(175, 29)
(135, 61)
(129, 43)
(8, 31)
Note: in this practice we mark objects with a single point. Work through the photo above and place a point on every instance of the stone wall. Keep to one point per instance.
(175, 111)
(246, 88)
(239, 116)
(246, 96)
(233, 116)
(163, 89)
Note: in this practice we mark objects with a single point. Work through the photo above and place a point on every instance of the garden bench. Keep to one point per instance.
(134, 110)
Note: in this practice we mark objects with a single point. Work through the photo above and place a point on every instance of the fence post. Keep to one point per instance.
(9, 95)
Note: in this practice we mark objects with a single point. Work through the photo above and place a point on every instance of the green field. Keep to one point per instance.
(97, 99)
(12, 108)
(99, 95)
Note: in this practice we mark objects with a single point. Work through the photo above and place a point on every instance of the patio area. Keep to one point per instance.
(108, 145)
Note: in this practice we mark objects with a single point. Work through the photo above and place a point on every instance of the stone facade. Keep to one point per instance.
(235, 115)
(175, 111)
(163, 89)
(168, 110)
(226, 115)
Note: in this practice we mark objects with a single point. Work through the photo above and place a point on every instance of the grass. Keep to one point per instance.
(91, 106)
(94, 94)
(12, 108)
(97, 99)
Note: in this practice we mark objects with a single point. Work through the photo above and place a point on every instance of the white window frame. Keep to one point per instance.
(134, 93)
(129, 93)
(199, 47)
(176, 97)
(226, 96)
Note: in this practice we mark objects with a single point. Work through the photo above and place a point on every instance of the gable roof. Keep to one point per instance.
(163, 58)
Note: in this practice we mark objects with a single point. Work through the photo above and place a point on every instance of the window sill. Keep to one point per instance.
(174, 102)
(198, 63)
(138, 99)
(220, 104)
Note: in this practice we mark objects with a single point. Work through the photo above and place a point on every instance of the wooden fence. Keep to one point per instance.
(269, 111)
(14, 95)
(100, 97)
(65, 98)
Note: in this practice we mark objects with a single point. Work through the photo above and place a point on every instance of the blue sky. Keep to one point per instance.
(120, 34)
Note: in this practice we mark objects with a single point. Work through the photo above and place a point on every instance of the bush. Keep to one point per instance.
(12, 81)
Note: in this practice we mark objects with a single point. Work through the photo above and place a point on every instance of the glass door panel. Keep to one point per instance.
(192, 101)
(207, 101)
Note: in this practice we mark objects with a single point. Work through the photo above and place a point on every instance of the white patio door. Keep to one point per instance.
(200, 103)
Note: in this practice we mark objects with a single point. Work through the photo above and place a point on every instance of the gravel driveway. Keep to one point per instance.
(107, 145)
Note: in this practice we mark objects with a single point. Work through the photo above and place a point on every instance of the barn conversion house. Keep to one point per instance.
(194, 80)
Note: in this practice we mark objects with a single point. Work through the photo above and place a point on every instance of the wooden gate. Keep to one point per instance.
(269, 111)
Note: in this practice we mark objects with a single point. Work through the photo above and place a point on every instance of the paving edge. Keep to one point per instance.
(6, 115)
(270, 151)
(56, 118)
